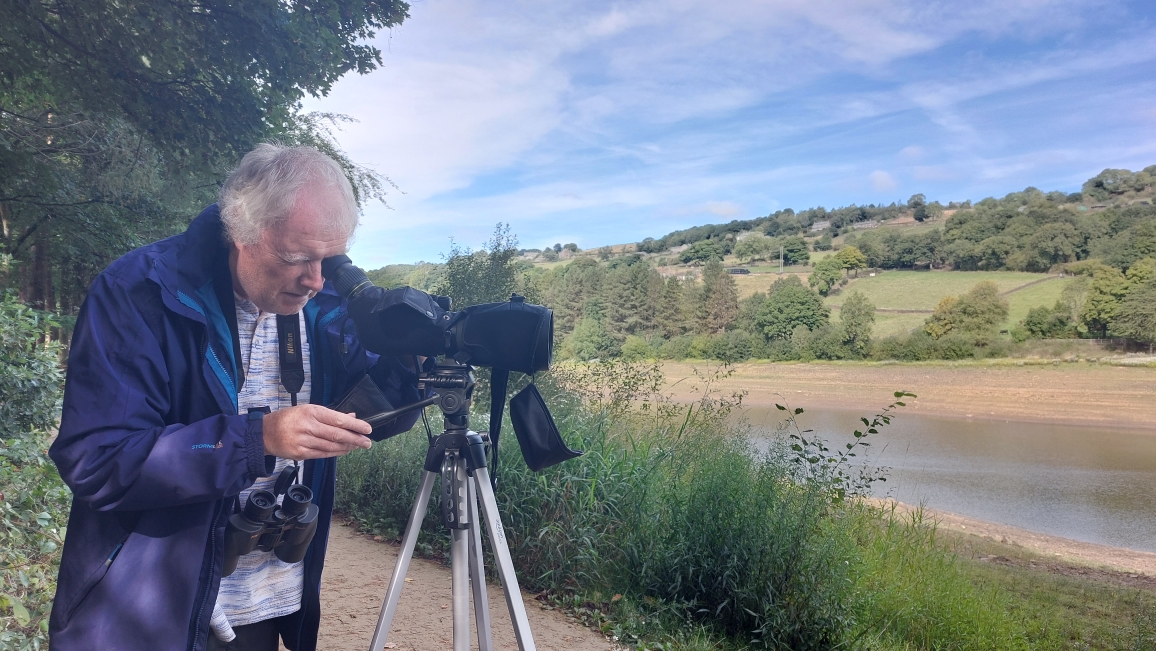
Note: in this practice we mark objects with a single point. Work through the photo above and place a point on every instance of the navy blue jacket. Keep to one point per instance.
(155, 453)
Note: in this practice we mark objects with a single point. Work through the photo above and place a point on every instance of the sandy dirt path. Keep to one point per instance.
(357, 571)
(1078, 393)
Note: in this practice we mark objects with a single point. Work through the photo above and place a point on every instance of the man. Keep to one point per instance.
(174, 410)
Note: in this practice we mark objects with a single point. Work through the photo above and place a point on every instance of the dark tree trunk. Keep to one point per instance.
(41, 294)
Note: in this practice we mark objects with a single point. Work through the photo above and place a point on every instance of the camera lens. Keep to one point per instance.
(297, 499)
(260, 505)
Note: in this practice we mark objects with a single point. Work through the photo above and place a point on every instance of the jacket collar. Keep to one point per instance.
(184, 269)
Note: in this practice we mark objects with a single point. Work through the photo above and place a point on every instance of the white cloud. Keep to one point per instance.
(526, 111)
(882, 181)
(911, 153)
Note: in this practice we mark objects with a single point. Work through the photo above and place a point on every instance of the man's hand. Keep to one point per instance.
(313, 432)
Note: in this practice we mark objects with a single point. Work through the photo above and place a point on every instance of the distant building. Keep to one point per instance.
(862, 225)
(818, 226)
(738, 271)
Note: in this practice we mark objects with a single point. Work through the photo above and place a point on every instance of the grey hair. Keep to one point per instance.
(263, 190)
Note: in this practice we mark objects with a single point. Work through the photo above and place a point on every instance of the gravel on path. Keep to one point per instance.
(357, 571)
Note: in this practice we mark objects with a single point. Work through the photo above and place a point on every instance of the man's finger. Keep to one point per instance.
(333, 450)
(344, 421)
(340, 435)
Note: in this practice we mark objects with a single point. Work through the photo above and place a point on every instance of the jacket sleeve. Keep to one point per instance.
(115, 449)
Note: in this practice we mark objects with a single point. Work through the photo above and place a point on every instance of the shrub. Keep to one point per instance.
(33, 500)
(733, 346)
(915, 347)
(828, 343)
(677, 348)
(668, 506)
(955, 346)
(635, 348)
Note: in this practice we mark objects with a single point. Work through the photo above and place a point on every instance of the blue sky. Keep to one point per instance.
(601, 123)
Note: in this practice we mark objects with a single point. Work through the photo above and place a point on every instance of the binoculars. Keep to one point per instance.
(262, 525)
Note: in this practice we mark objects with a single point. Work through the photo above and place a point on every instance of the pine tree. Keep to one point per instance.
(719, 303)
(670, 314)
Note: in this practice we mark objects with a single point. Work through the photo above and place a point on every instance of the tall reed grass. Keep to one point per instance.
(704, 541)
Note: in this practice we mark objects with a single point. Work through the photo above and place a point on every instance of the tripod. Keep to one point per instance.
(459, 457)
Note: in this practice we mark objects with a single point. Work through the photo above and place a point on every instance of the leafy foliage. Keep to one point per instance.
(117, 123)
(484, 276)
(788, 306)
(978, 312)
(33, 500)
(670, 509)
(826, 275)
(857, 315)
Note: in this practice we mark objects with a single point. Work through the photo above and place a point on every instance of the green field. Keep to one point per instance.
(922, 290)
(890, 323)
(1043, 294)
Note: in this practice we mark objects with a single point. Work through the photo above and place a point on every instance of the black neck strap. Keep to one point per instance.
(289, 354)
(289, 351)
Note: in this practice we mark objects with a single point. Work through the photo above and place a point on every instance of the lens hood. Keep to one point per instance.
(514, 335)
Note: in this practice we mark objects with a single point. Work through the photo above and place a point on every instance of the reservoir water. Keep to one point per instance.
(1087, 483)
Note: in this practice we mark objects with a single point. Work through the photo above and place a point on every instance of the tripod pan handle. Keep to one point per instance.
(384, 417)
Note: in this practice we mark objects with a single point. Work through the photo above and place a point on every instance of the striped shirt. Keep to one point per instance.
(262, 587)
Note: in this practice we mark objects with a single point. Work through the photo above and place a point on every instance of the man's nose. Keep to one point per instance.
(312, 278)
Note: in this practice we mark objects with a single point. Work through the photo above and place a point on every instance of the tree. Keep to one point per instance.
(826, 275)
(1102, 302)
(942, 319)
(788, 306)
(748, 311)
(755, 246)
(918, 205)
(670, 315)
(118, 122)
(1136, 315)
(851, 258)
(979, 311)
(1048, 323)
(1051, 244)
(795, 251)
(630, 294)
(590, 339)
(857, 315)
(720, 299)
(484, 276)
(703, 251)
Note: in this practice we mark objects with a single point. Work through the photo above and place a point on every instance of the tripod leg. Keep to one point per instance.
(505, 562)
(460, 571)
(478, 576)
(393, 593)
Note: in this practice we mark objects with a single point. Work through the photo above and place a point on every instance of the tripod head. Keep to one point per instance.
(453, 385)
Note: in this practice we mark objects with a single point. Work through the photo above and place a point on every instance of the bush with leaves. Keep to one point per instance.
(788, 306)
(34, 502)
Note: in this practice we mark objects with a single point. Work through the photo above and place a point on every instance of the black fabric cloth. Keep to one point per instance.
(261, 636)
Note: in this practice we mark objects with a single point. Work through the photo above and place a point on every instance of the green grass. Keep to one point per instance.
(671, 532)
(922, 290)
(1044, 294)
(890, 323)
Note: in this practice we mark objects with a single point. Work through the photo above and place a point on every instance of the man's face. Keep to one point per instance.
(282, 271)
